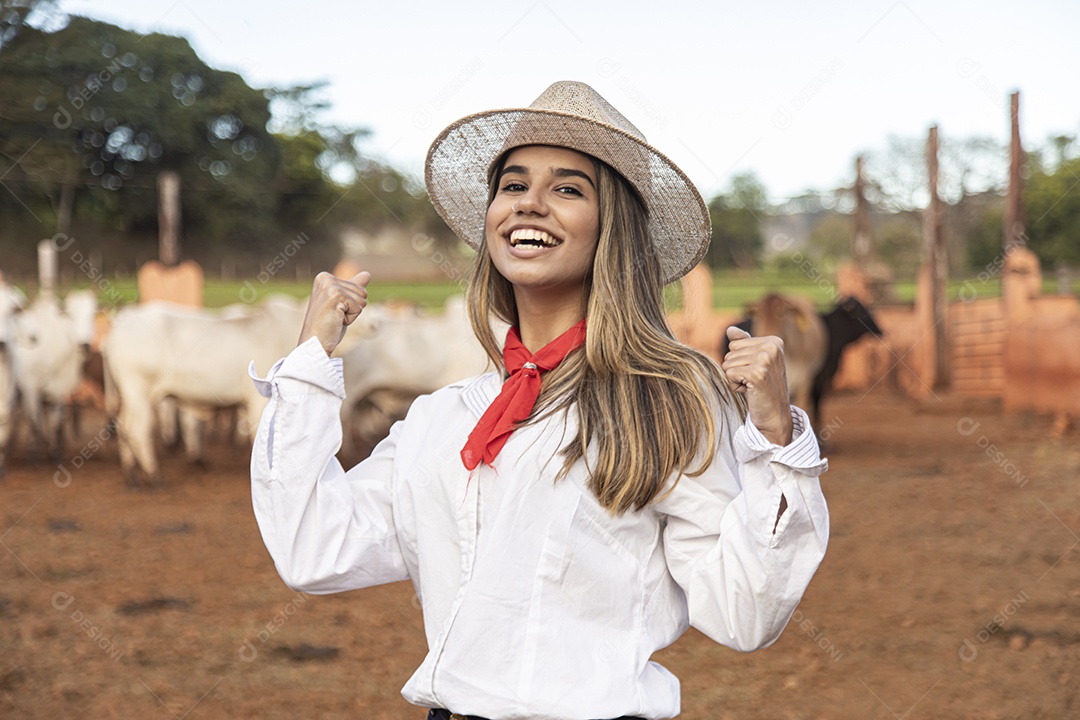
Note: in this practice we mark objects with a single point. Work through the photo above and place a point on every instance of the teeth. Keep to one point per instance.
(521, 234)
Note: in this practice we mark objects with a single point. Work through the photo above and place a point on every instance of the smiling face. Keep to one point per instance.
(543, 223)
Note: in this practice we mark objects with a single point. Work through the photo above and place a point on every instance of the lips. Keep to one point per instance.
(532, 237)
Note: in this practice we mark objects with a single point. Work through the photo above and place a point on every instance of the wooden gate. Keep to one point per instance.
(977, 335)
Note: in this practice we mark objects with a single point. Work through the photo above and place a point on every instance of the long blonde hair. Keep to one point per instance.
(648, 407)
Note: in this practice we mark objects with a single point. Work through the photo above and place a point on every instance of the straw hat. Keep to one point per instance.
(571, 115)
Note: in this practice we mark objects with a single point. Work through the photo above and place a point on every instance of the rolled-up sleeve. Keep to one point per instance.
(742, 569)
(327, 531)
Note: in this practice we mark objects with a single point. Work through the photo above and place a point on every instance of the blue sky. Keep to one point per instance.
(789, 90)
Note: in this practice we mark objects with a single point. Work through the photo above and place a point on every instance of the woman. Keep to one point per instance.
(564, 518)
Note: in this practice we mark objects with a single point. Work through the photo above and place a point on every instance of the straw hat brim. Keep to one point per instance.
(461, 157)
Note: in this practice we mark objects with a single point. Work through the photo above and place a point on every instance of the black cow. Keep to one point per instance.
(844, 324)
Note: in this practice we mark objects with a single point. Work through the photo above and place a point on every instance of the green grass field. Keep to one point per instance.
(731, 290)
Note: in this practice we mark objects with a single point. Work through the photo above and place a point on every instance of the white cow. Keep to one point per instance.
(409, 353)
(12, 301)
(199, 358)
(185, 423)
(49, 348)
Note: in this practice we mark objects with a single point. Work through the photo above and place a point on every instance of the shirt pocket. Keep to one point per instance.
(588, 600)
(590, 562)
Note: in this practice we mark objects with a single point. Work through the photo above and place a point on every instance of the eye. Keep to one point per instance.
(513, 186)
(569, 190)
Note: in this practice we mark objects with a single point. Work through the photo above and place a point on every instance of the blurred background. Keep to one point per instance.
(310, 123)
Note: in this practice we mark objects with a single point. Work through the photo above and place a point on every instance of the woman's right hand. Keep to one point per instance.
(333, 306)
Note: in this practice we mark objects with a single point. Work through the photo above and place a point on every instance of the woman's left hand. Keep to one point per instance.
(755, 368)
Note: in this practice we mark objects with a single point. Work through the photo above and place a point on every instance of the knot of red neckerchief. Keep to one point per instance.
(517, 398)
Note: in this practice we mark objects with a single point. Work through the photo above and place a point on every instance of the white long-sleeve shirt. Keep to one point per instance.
(538, 603)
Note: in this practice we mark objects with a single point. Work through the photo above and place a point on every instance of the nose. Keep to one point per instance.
(532, 203)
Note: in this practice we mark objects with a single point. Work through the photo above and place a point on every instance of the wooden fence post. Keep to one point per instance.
(1014, 208)
(169, 217)
(936, 266)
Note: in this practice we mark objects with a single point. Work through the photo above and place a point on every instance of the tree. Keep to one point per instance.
(329, 185)
(1061, 145)
(966, 166)
(898, 240)
(1052, 205)
(737, 223)
(18, 14)
(93, 106)
(985, 236)
(972, 174)
(830, 239)
(90, 113)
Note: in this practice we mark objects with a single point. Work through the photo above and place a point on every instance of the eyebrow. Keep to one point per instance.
(559, 172)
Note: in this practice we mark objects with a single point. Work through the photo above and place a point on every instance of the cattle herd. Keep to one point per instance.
(167, 370)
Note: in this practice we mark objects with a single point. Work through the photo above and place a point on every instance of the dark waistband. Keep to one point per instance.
(444, 714)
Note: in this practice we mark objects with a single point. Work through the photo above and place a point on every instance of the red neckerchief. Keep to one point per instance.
(517, 398)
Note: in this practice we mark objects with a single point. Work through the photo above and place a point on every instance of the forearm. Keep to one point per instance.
(745, 563)
(324, 532)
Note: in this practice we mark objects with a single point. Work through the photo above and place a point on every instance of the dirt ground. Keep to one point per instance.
(951, 589)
